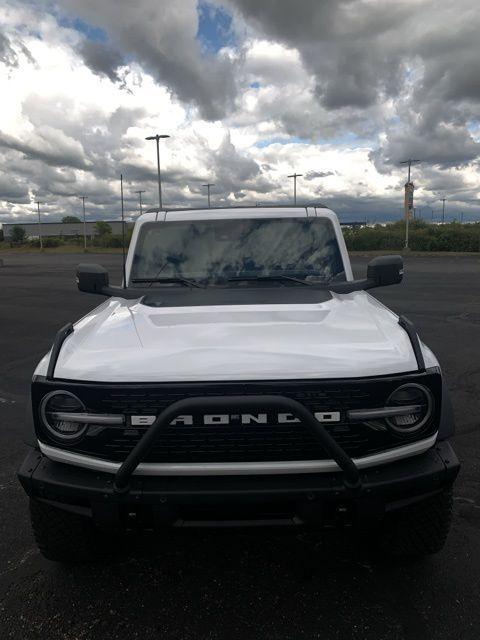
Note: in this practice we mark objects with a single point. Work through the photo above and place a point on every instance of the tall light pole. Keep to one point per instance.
(208, 185)
(82, 198)
(123, 235)
(140, 191)
(443, 210)
(295, 176)
(39, 224)
(157, 137)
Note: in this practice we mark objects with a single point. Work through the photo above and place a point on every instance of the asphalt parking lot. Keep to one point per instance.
(232, 584)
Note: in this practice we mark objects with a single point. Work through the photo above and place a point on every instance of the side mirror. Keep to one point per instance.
(93, 278)
(385, 270)
(381, 272)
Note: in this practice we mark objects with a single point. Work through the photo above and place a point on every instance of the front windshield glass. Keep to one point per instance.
(217, 250)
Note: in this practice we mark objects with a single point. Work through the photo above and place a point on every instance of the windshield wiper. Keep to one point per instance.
(279, 277)
(176, 280)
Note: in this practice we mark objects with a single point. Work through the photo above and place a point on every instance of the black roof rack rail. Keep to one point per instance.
(60, 338)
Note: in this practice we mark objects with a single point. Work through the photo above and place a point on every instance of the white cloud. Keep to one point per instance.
(271, 63)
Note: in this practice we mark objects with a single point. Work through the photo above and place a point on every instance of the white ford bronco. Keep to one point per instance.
(240, 376)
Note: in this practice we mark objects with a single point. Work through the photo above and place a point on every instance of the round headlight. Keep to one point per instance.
(53, 409)
(418, 400)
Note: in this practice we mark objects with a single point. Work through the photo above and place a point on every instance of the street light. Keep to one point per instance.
(39, 224)
(140, 191)
(410, 161)
(157, 138)
(82, 198)
(295, 176)
(208, 185)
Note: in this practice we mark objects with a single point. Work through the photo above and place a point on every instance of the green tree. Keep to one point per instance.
(18, 234)
(102, 228)
(67, 219)
(451, 236)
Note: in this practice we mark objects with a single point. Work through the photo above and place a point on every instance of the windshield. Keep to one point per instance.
(219, 250)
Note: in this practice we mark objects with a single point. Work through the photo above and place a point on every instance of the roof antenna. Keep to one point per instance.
(123, 235)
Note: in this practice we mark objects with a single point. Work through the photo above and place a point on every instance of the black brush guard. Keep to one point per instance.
(245, 403)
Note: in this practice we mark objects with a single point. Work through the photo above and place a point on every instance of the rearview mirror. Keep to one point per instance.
(381, 272)
(93, 278)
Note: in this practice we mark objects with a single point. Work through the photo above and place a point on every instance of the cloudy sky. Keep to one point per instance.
(250, 91)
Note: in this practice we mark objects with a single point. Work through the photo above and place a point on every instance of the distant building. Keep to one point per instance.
(62, 229)
(353, 224)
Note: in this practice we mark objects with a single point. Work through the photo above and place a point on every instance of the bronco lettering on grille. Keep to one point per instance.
(238, 419)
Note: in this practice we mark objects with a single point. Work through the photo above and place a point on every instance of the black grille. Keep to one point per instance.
(236, 442)
(152, 401)
(229, 443)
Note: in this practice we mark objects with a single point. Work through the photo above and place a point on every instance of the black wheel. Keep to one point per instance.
(420, 529)
(62, 536)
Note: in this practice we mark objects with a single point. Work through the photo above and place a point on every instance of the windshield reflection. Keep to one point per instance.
(222, 250)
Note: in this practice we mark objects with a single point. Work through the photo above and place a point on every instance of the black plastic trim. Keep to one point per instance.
(410, 330)
(446, 428)
(62, 335)
(385, 488)
(283, 381)
(29, 436)
(350, 286)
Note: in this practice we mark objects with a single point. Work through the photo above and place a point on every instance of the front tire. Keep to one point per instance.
(62, 536)
(420, 529)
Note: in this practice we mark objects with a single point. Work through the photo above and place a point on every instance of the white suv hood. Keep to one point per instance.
(124, 341)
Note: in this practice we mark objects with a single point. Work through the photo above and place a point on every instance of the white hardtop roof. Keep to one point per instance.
(228, 213)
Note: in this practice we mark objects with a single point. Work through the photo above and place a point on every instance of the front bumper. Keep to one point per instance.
(317, 499)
